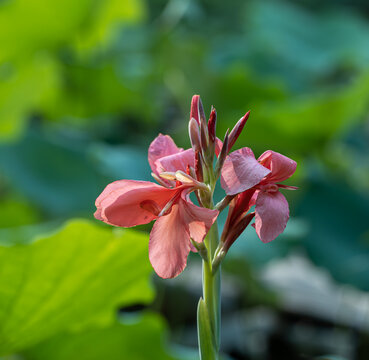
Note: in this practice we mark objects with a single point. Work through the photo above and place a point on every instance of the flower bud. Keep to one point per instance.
(236, 131)
(212, 125)
(235, 230)
(222, 155)
(194, 132)
(197, 110)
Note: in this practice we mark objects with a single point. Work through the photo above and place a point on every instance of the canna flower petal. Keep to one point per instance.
(271, 215)
(129, 203)
(175, 162)
(241, 171)
(281, 166)
(163, 145)
(170, 244)
(199, 220)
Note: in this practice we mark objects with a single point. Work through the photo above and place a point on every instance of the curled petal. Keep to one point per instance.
(241, 171)
(169, 244)
(129, 203)
(281, 166)
(163, 145)
(170, 236)
(174, 162)
(271, 216)
(199, 220)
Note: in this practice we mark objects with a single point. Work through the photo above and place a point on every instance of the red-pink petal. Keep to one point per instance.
(271, 215)
(170, 236)
(169, 244)
(281, 166)
(199, 220)
(175, 162)
(241, 171)
(126, 202)
(163, 145)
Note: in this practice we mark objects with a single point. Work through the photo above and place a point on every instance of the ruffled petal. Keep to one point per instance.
(163, 145)
(199, 220)
(175, 162)
(129, 203)
(281, 166)
(169, 244)
(241, 171)
(271, 216)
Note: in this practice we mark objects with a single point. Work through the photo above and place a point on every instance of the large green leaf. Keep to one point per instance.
(73, 278)
(137, 340)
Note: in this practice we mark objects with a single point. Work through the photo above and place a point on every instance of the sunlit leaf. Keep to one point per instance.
(74, 278)
(137, 339)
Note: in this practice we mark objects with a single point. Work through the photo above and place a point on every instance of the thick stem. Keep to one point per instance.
(211, 295)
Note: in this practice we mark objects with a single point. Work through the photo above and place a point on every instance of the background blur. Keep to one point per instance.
(86, 85)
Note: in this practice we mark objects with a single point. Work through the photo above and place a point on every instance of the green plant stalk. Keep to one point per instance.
(211, 284)
(209, 348)
(208, 316)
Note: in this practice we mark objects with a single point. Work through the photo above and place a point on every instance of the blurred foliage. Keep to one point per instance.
(85, 86)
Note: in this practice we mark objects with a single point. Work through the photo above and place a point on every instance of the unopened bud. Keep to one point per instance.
(212, 125)
(236, 131)
(235, 230)
(204, 137)
(197, 110)
(222, 155)
(194, 132)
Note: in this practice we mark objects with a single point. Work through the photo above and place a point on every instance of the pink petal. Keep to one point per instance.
(163, 145)
(199, 220)
(169, 244)
(271, 216)
(175, 162)
(128, 203)
(281, 166)
(241, 171)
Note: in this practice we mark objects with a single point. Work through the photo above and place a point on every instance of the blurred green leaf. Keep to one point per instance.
(122, 162)
(71, 279)
(16, 212)
(23, 88)
(58, 178)
(141, 339)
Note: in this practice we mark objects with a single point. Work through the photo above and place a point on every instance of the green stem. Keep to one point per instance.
(211, 298)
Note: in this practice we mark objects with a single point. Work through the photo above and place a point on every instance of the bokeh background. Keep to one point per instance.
(86, 85)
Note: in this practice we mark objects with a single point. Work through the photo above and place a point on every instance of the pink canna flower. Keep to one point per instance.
(242, 175)
(128, 203)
